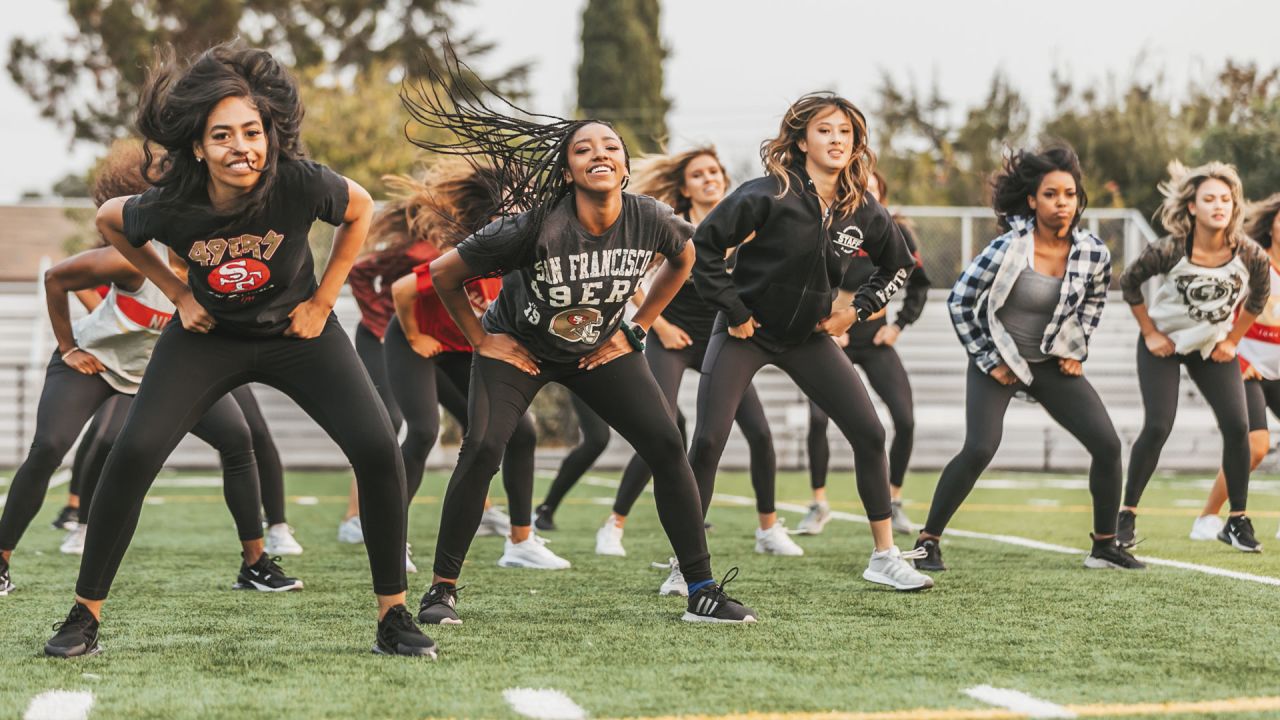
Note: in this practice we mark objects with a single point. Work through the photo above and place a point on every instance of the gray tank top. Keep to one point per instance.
(1028, 310)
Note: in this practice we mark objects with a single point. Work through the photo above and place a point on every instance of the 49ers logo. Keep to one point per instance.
(578, 325)
(239, 276)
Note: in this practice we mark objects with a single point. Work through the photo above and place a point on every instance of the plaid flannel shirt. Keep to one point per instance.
(985, 285)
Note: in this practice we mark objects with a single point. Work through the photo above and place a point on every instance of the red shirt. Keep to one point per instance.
(434, 320)
(371, 279)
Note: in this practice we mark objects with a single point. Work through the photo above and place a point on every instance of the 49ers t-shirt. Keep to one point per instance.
(251, 277)
(564, 292)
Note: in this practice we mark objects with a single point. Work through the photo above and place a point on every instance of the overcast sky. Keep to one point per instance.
(735, 64)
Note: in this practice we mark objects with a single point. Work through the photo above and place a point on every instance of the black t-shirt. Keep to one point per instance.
(563, 293)
(251, 277)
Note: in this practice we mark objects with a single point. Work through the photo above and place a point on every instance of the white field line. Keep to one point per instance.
(59, 705)
(1006, 539)
(1018, 702)
(543, 704)
(58, 480)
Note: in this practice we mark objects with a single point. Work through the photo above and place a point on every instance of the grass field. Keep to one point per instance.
(179, 643)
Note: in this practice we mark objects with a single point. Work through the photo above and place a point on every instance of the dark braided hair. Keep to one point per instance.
(525, 153)
(1021, 177)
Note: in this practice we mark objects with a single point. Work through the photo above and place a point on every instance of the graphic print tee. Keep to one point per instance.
(251, 277)
(1261, 344)
(564, 292)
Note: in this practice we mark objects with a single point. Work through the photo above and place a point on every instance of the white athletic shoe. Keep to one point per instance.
(532, 554)
(1206, 527)
(609, 539)
(675, 583)
(73, 544)
(899, 521)
(409, 567)
(776, 541)
(350, 531)
(891, 567)
(280, 541)
(817, 518)
(494, 522)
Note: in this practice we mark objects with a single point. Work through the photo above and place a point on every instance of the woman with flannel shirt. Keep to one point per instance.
(1024, 310)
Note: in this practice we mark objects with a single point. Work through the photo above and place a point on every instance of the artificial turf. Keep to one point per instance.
(179, 643)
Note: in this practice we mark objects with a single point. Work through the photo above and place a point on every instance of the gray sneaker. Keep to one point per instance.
(899, 521)
(817, 518)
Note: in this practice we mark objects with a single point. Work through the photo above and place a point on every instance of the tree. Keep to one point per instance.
(88, 82)
(620, 78)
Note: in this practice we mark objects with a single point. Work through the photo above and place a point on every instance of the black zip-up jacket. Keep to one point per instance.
(914, 295)
(789, 274)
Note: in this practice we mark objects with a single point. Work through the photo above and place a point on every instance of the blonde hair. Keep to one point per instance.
(783, 151)
(450, 200)
(119, 173)
(662, 176)
(1180, 191)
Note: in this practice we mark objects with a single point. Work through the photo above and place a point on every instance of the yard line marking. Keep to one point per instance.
(59, 705)
(543, 704)
(1018, 702)
(1006, 539)
(58, 480)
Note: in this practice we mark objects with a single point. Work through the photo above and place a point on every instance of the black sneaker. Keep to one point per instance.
(398, 635)
(711, 604)
(76, 636)
(932, 560)
(265, 576)
(1126, 523)
(1238, 533)
(6, 584)
(438, 605)
(1107, 554)
(68, 518)
(543, 518)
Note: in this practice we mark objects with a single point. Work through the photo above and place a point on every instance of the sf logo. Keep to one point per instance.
(239, 276)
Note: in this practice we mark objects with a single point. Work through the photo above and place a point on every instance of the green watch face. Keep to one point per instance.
(638, 331)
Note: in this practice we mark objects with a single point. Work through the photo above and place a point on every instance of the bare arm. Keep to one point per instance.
(1158, 343)
(310, 316)
(449, 275)
(80, 272)
(666, 283)
(90, 299)
(404, 292)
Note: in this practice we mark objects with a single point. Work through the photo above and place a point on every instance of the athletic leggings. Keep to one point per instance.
(1222, 388)
(824, 374)
(626, 397)
(595, 438)
(371, 350)
(1070, 400)
(90, 453)
(419, 384)
(889, 380)
(668, 368)
(1260, 395)
(188, 373)
(67, 402)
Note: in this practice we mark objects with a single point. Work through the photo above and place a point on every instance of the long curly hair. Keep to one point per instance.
(119, 174)
(1180, 191)
(662, 176)
(450, 200)
(1021, 176)
(783, 152)
(1260, 217)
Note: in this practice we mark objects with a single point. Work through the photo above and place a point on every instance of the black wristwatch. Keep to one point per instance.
(635, 335)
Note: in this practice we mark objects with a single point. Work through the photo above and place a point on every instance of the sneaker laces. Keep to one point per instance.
(919, 553)
(398, 618)
(272, 564)
(670, 564)
(79, 616)
(1243, 523)
(720, 595)
(440, 592)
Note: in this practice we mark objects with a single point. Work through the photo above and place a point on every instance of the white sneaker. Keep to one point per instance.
(73, 544)
(675, 583)
(609, 539)
(494, 522)
(532, 554)
(891, 567)
(409, 567)
(776, 541)
(280, 541)
(350, 531)
(899, 521)
(817, 518)
(1206, 527)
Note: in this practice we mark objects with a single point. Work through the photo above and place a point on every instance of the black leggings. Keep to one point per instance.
(370, 350)
(90, 453)
(1069, 400)
(419, 385)
(1222, 388)
(67, 401)
(668, 368)
(191, 371)
(1259, 396)
(824, 374)
(595, 438)
(625, 395)
(889, 380)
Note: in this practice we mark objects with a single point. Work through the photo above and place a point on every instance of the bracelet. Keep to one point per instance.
(75, 348)
(636, 343)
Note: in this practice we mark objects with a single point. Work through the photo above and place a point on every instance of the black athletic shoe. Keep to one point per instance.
(438, 605)
(1107, 554)
(543, 518)
(932, 560)
(76, 636)
(6, 584)
(68, 518)
(1238, 533)
(398, 635)
(711, 604)
(1126, 523)
(265, 576)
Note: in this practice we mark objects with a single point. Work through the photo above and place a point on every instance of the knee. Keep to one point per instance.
(1106, 448)
(525, 436)
(422, 433)
(1259, 446)
(483, 450)
(978, 455)
(1234, 430)
(706, 445)
(904, 425)
(870, 440)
